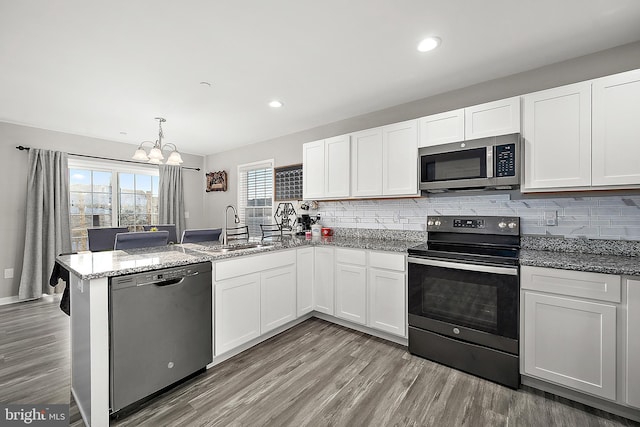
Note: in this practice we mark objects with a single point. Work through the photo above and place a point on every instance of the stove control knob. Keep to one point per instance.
(437, 223)
(502, 224)
(512, 225)
(430, 222)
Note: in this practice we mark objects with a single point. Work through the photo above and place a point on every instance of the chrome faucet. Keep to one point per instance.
(225, 240)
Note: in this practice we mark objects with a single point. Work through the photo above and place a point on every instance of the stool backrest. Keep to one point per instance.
(103, 239)
(141, 239)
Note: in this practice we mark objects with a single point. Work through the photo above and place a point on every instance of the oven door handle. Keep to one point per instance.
(511, 271)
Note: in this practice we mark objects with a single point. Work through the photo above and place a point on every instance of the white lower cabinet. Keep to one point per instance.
(253, 295)
(323, 280)
(304, 266)
(277, 297)
(351, 286)
(237, 311)
(632, 338)
(387, 297)
(571, 342)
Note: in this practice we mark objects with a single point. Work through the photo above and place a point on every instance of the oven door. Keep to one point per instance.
(474, 303)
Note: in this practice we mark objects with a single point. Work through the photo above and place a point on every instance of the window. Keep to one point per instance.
(106, 195)
(137, 199)
(255, 195)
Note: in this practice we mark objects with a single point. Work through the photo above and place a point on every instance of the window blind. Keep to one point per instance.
(255, 195)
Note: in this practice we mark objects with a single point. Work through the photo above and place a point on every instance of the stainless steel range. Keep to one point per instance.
(463, 295)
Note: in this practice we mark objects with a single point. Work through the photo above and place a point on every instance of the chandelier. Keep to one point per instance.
(155, 155)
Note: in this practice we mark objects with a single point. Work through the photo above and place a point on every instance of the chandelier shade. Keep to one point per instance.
(155, 155)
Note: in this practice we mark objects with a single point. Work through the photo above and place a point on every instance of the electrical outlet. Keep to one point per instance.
(186, 214)
(551, 218)
(8, 273)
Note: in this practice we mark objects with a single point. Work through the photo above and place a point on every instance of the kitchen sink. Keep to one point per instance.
(237, 247)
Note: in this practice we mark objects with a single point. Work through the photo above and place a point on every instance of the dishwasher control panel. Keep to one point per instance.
(158, 276)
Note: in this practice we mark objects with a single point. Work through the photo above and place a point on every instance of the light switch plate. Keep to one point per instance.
(551, 218)
(8, 273)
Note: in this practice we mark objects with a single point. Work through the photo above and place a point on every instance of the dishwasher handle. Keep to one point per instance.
(169, 282)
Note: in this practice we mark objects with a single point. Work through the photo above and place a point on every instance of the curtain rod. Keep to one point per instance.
(22, 148)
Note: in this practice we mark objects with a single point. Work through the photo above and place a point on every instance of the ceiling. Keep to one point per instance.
(99, 68)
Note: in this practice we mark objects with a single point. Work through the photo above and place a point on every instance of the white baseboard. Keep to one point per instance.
(15, 298)
(9, 300)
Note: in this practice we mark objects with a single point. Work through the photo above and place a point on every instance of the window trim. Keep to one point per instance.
(268, 163)
(115, 169)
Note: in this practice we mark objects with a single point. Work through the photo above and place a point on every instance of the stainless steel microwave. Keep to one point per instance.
(487, 163)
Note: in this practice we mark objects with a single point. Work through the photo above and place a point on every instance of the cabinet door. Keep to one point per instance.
(442, 128)
(305, 258)
(616, 129)
(387, 301)
(277, 297)
(632, 359)
(400, 159)
(237, 311)
(323, 283)
(571, 342)
(351, 293)
(313, 169)
(337, 167)
(366, 163)
(492, 119)
(557, 137)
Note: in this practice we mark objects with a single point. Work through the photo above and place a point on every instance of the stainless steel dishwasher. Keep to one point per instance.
(160, 330)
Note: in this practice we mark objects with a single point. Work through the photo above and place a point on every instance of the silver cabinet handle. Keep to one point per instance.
(511, 271)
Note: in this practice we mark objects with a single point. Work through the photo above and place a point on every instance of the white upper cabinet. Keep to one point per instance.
(337, 178)
(493, 118)
(325, 166)
(442, 128)
(557, 138)
(400, 158)
(313, 169)
(616, 129)
(366, 163)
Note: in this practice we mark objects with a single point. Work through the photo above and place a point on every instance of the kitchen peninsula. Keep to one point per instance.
(258, 292)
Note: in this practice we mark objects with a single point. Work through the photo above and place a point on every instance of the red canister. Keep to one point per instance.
(326, 231)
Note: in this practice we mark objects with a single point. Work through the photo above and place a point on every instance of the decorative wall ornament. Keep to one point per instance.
(216, 181)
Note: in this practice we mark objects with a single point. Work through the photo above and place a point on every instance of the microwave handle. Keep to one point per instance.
(490, 162)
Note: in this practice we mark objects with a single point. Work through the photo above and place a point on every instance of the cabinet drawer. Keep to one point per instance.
(253, 264)
(351, 256)
(387, 260)
(603, 287)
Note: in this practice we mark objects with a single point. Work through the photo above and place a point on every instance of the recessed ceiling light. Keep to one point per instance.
(428, 44)
(205, 84)
(275, 104)
(123, 133)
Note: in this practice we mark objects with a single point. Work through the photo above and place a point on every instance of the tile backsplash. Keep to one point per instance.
(605, 217)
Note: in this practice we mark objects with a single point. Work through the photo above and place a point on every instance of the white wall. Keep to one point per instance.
(288, 149)
(13, 184)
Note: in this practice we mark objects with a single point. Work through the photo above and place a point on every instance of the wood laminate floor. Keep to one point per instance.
(315, 374)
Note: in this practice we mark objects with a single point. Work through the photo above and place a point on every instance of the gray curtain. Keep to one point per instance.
(48, 233)
(171, 197)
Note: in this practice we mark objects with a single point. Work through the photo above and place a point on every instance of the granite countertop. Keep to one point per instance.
(93, 265)
(599, 256)
(597, 263)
